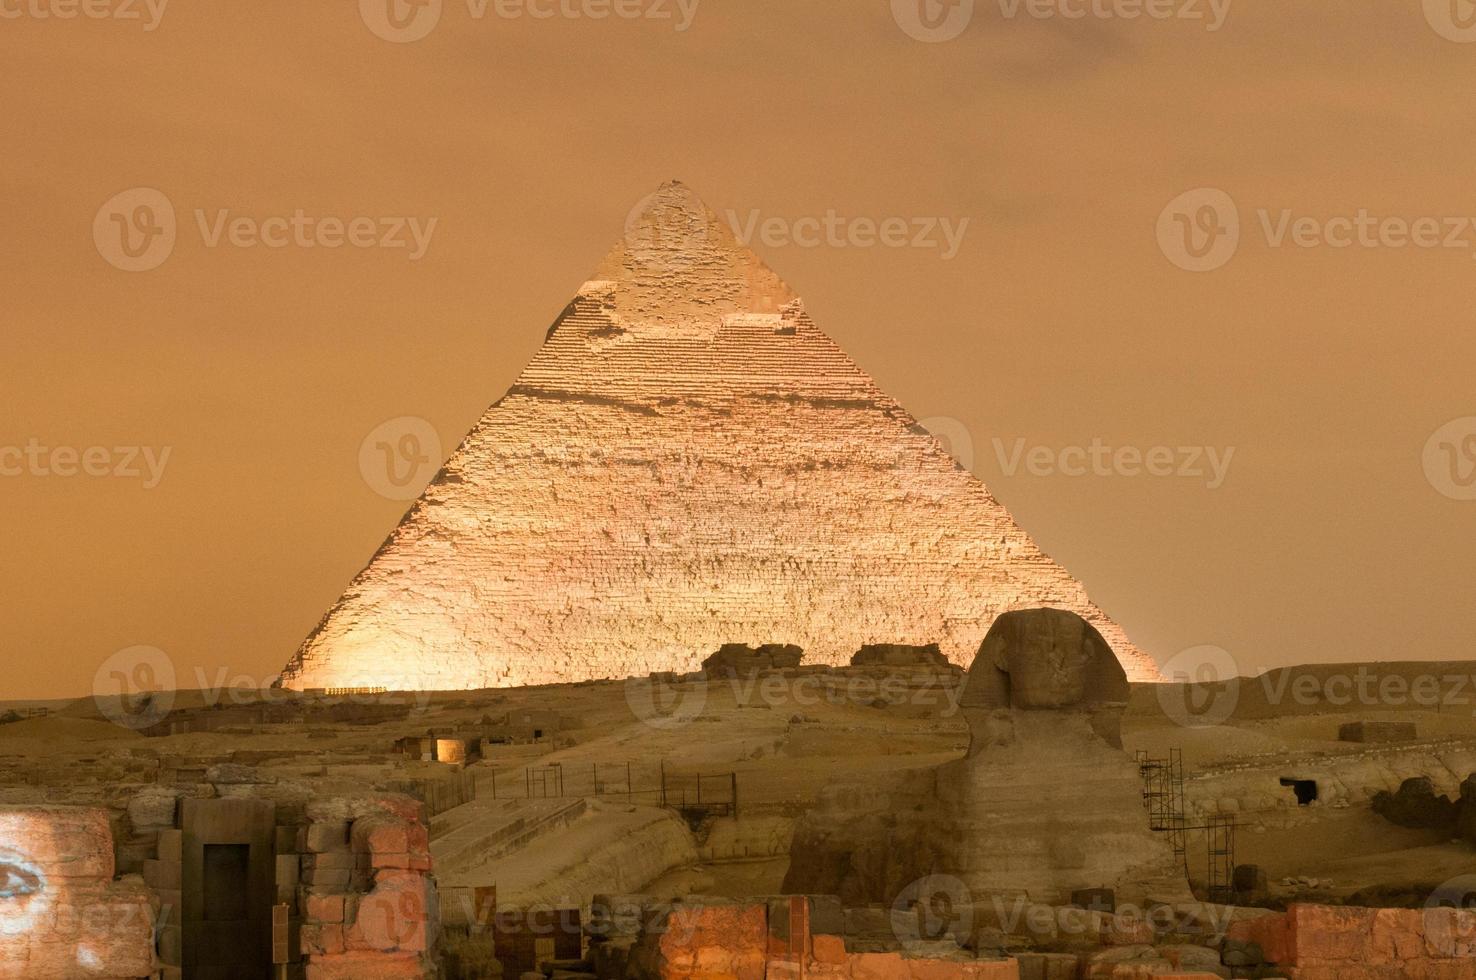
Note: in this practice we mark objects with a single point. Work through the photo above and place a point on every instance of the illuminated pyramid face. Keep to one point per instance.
(686, 462)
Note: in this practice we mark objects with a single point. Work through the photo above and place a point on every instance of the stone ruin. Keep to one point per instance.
(740, 660)
(332, 889)
(1044, 804)
(899, 655)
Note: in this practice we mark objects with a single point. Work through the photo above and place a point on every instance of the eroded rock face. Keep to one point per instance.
(1045, 803)
(61, 913)
(1416, 805)
(686, 461)
(899, 655)
(741, 660)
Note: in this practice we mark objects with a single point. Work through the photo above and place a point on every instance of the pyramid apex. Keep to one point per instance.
(678, 261)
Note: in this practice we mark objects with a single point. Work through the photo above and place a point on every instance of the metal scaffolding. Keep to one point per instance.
(1163, 798)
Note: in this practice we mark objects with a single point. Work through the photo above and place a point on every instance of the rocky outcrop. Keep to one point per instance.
(899, 655)
(1416, 805)
(741, 660)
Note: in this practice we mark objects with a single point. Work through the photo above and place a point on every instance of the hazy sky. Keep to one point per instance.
(1061, 319)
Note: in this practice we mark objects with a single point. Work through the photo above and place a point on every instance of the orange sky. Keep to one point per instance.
(1059, 320)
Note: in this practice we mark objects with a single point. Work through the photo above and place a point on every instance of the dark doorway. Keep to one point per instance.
(227, 882)
(227, 888)
(1306, 790)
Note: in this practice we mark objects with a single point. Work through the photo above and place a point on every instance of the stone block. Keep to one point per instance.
(329, 860)
(288, 870)
(359, 965)
(878, 966)
(171, 906)
(321, 939)
(170, 944)
(162, 875)
(171, 845)
(328, 879)
(326, 836)
(154, 807)
(1270, 933)
(1047, 966)
(829, 949)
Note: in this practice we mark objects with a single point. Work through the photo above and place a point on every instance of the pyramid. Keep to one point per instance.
(687, 461)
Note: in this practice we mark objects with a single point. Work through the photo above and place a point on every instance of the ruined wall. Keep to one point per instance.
(366, 899)
(748, 942)
(688, 461)
(62, 915)
(1313, 942)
